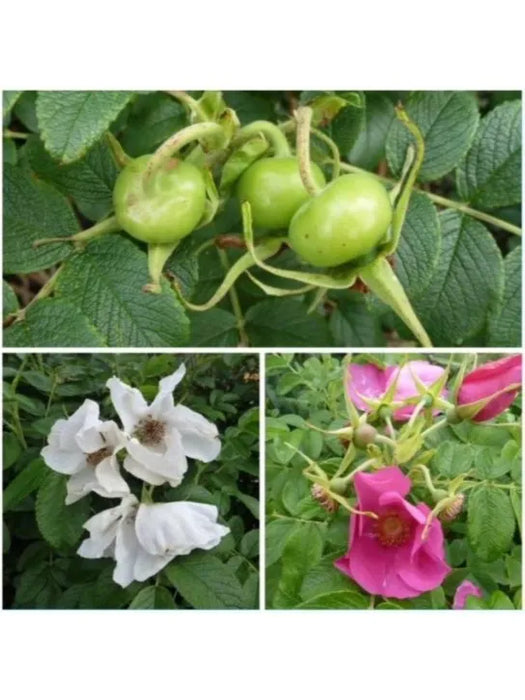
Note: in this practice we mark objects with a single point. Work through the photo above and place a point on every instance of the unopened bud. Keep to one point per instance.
(321, 495)
(364, 435)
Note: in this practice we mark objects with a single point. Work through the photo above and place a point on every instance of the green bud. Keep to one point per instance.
(364, 435)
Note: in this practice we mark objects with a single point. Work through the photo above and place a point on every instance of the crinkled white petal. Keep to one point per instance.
(113, 435)
(141, 472)
(80, 484)
(128, 402)
(163, 402)
(147, 564)
(170, 463)
(103, 527)
(63, 461)
(126, 550)
(178, 528)
(108, 476)
(200, 437)
(89, 439)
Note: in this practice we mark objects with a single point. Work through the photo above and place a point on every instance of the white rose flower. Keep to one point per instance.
(143, 538)
(85, 448)
(161, 435)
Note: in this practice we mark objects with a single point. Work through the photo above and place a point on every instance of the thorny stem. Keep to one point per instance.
(109, 225)
(304, 120)
(43, 292)
(443, 202)
(180, 139)
(234, 299)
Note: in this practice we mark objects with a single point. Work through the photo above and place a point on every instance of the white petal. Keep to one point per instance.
(103, 529)
(147, 564)
(89, 439)
(126, 550)
(141, 472)
(80, 484)
(199, 436)
(171, 463)
(108, 476)
(129, 403)
(63, 461)
(113, 435)
(177, 528)
(164, 400)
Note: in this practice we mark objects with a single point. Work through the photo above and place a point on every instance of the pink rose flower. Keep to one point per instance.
(388, 556)
(462, 593)
(491, 379)
(371, 382)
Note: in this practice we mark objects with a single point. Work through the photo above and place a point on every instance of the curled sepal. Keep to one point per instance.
(265, 249)
(241, 159)
(400, 195)
(383, 282)
(158, 255)
(212, 203)
(278, 291)
(341, 278)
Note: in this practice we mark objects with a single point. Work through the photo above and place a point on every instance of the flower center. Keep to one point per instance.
(95, 458)
(392, 530)
(150, 431)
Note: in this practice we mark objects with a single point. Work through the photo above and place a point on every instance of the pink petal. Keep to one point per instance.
(369, 487)
(489, 379)
(465, 589)
(364, 380)
(406, 387)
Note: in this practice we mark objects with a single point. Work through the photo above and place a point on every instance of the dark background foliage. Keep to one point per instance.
(41, 534)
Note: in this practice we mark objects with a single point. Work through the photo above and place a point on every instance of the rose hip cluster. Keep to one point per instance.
(396, 547)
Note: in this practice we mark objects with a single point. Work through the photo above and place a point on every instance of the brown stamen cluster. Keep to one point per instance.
(150, 431)
(392, 530)
(95, 458)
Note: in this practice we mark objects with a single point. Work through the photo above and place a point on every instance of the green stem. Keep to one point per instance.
(190, 102)
(109, 225)
(436, 426)
(444, 202)
(158, 255)
(304, 121)
(172, 145)
(281, 148)
(234, 300)
(8, 134)
(336, 162)
(120, 156)
(16, 414)
(43, 293)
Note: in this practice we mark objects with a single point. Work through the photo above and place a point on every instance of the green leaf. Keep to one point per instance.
(276, 323)
(515, 500)
(213, 328)
(11, 451)
(347, 124)
(324, 577)
(302, 551)
(467, 283)
(9, 152)
(111, 298)
(88, 181)
(499, 601)
(24, 483)
(52, 323)
(452, 459)
(448, 122)
(59, 524)
(491, 522)
(153, 118)
(369, 148)
(419, 246)
(9, 98)
(490, 175)
(277, 533)
(336, 600)
(205, 582)
(72, 121)
(153, 598)
(33, 210)
(240, 160)
(10, 300)
(351, 323)
(505, 320)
